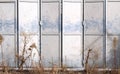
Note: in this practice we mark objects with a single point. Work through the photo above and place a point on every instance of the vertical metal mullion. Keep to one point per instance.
(40, 28)
(83, 33)
(59, 27)
(15, 31)
(17, 26)
(105, 32)
(61, 14)
(106, 27)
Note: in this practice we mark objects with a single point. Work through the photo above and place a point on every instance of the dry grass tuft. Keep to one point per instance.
(25, 54)
(87, 69)
(1, 39)
(115, 42)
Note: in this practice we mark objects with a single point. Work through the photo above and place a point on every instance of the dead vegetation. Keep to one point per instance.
(38, 68)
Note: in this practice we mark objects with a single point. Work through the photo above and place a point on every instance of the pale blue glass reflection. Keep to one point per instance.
(28, 17)
(72, 18)
(50, 18)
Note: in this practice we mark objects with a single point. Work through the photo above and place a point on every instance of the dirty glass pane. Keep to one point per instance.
(28, 17)
(113, 23)
(50, 51)
(96, 55)
(29, 32)
(7, 51)
(50, 18)
(7, 29)
(50, 37)
(72, 18)
(7, 20)
(72, 24)
(113, 51)
(72, 51)
(94, 18)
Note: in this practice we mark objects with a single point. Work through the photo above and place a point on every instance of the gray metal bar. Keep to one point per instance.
(94, 34)
(40, 28)
(39, 33)
(15, 31)
(7, 33)
(83, 33)
(113, 34)
(93, 1)
(104, 32)
(113, 1)
(99, 1)
(61, 14)
(7, 1)
(17, 13)
(29, 1)
(59, 27)
(49, 34)
(77, 1)
(50, 1)
(73, 1)
(73, 35)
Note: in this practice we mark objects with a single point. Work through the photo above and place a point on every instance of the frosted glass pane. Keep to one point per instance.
(113, 25)
(113, 51)
(8, 50)
(93, 18)
(50, 18)
(72, 17)
(34, 51)
(72, 51)
(96, 55)
(50, 51)
(7, 20)
(28, 17)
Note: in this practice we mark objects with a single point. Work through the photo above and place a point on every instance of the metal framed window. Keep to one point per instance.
(8, 31)
(63, 30)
